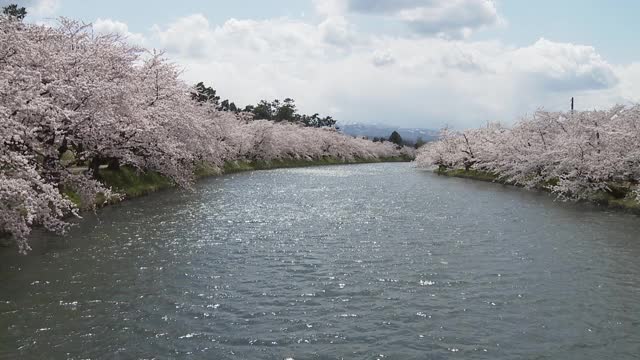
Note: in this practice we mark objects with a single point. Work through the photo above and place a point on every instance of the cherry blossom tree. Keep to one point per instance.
(66, 89)
(574, 154)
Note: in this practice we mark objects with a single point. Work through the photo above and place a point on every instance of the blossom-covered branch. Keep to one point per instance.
(572, 154)
(68, 90)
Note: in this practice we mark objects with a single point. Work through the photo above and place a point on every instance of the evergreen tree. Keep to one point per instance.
(14, 11)
(205, 94)
(395, 138)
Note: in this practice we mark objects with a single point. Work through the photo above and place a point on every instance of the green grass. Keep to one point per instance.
(73, 196)
(627, 203)
(133, 183)
(618, 197)
(237, 166)
(205, 170)
(126, 181)
(470, 174)
(276, 164)
(67, 158)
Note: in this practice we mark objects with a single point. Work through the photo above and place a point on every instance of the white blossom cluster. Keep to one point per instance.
(67, 89)
(572, 154)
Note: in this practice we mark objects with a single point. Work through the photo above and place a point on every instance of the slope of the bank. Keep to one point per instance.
(132, 183)
(618, 197)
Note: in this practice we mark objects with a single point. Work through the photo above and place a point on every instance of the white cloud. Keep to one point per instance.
(383, 58)
(336, 30)
(454, 18)
(188, 35)
(109, 26)
(284, 40)
(248, 60)
(629, 87)
(331, 68)
(330, 7)
(563, 66)
(444, 18)
(44, 8)
(424, 81)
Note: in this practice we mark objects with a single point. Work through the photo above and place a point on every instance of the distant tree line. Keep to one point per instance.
(398, 140)
(276, 110)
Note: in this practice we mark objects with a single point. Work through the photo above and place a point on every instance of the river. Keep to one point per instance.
(371, 261)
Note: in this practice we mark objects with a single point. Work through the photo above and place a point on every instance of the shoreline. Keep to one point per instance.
(614, 200)
(131, 183)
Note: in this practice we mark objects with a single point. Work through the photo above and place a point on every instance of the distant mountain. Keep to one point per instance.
(374, 130)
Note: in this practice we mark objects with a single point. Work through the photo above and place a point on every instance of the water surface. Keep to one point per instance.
(378, 261)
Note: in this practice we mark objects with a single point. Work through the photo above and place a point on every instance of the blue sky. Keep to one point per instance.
(426, 63)
(609, 26)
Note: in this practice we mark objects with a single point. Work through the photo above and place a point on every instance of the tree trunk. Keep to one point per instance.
(114, 164)
(62, 149)
(94, 166)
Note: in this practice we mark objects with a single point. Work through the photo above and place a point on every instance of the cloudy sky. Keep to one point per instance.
(418, 63)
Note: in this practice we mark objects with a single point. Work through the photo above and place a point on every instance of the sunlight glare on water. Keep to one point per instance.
(357, 262)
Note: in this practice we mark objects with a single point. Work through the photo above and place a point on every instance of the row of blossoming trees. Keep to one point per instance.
(572, 154)
(66, 89)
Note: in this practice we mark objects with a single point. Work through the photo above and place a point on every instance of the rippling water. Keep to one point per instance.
(379, 261)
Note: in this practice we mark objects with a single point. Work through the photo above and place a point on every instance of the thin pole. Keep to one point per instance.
(572, 105)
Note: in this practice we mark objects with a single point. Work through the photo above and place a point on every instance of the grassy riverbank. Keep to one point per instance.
(132, 183)
(233, 167)
(619, 197)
